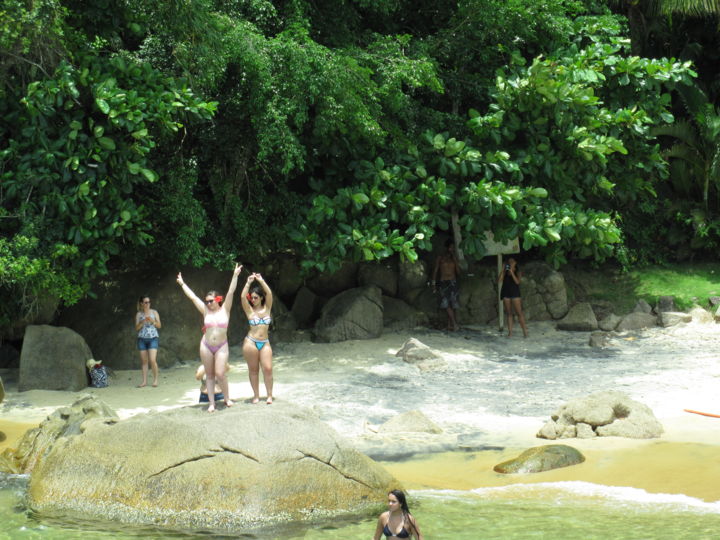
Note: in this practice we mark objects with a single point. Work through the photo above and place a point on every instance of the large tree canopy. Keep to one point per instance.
(336, 130)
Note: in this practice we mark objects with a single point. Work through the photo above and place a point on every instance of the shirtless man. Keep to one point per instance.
(448, 270)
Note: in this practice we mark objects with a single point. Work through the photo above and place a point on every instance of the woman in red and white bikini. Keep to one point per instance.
(214, 350)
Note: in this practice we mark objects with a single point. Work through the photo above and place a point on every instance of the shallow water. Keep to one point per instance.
(563, 510)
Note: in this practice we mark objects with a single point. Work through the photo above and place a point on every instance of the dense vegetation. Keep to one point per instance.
(200, 130)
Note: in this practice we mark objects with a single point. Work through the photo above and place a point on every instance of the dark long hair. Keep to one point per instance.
(257, 289)
(400, 496)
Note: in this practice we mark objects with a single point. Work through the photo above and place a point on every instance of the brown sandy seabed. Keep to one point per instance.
(685, 460)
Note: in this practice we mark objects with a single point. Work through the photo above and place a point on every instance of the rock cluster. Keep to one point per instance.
(605, 414)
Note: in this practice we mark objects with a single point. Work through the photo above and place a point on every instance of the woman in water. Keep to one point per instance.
(147, 322)
(397, 522)
(510, 295)
(257, 302)
(214, 350)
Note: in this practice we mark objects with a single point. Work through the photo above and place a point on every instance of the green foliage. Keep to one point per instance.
(77, 142)
(397, 208)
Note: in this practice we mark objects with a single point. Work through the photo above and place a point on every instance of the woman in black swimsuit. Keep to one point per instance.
(397, 522)
(510, 295)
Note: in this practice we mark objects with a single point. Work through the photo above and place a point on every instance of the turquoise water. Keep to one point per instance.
(561, 510)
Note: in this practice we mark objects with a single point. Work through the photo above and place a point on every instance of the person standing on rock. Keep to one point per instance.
(257, 300)
(397, 522)
(214, 349)
(147, 322)
(447, 270)
(510, 277)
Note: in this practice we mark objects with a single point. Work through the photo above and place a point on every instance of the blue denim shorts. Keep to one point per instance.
(148, 343)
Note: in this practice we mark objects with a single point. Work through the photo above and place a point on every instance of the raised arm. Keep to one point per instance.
(191, 295)
(247, 308)
(231, 289)
(268, 292)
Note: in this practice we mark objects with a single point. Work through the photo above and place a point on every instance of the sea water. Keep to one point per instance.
(561, 510)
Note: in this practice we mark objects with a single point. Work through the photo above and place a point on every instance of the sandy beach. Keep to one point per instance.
(353, 385)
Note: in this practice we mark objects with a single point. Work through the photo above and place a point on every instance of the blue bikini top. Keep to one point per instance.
(257, 321)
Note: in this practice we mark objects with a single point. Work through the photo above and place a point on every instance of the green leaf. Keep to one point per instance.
(107, 143)
(149, 174)
(102, 105)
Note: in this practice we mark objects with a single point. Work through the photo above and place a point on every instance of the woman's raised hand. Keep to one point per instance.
(238, 269)
(180, 279)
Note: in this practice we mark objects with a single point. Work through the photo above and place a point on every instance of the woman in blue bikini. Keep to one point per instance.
(257, 302)
(214, 350)
(397, 522)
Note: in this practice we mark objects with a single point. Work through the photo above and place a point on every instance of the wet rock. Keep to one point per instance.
(53, 358)
(673, 318)
(599, 339)
(607, 413)
(411, 421)
(230, 471)
(417, 353)
(353, 314)
(541, 458)
(580, 318)
(636, 320)
(609, 323)
(64, 422)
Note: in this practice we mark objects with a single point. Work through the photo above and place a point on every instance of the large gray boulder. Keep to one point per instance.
(382, 274)
(397, 315)
(607, 414)
(306, 307)
(637, 320)
(580, 318)
(53, 358)
(540, 459)
(609, 322)
(478, 298)
(231, 471)
(412, 276)
(544, 292)
(328, 285)
(353, 314)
